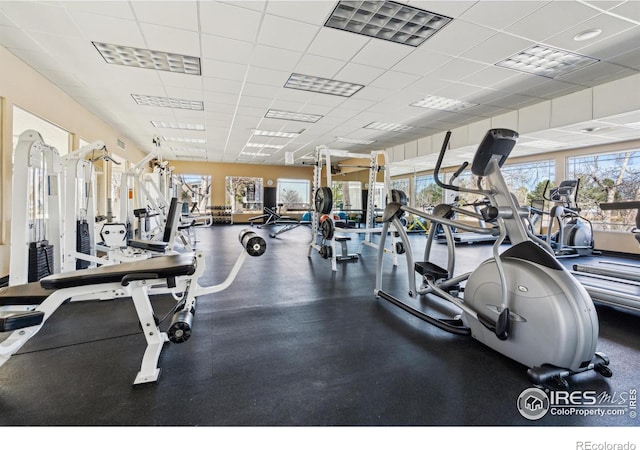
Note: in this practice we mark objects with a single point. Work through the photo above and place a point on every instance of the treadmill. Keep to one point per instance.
(609, 282)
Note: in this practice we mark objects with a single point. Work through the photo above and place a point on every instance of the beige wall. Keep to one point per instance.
(22, 86)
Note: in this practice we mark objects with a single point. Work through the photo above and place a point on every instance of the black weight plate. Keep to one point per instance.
(327, 228)
(323, 200)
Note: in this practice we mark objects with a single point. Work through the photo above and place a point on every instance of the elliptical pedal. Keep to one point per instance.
(431, 270)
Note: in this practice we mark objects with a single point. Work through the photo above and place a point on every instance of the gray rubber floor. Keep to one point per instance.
(290, 343)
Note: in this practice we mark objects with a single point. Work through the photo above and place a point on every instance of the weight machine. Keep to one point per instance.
(36, 231)
(323, 207)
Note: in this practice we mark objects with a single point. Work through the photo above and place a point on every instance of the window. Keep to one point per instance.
(194, 191)
(294, 195)
(51, 134)
(427, 193)
(244, 194)
(347, 195)
(401, 184)
(379, 195)
(604, 178)
(527, 180)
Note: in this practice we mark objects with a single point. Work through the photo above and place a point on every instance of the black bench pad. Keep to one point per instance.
(153, 246)
(163, 266)
(10, 321)
(24, 294)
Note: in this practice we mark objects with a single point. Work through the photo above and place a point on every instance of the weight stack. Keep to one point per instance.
(40, 260)
(83, 242)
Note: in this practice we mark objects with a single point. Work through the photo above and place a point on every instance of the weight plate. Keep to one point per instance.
(323, 200)
(327, 228)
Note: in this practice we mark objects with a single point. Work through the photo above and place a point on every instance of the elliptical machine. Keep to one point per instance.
(575, 233)
(522, 303)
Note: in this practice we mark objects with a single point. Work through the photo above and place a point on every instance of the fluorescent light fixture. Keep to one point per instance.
(344, 140)
(254, 154)
(166, 102)
(148, 59)
(442, 103)
(388, 126)
(288, 115)
(545, 144)
(185, 140)
(322, 85)
(178, 125)
(546, 61)
(280, 134)
(386, 20)
(258, 145)
(188, 150)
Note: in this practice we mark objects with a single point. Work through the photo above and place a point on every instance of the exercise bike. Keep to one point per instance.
(522, 302)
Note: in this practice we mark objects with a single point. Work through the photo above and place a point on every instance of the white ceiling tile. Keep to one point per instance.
(489, 76)
(269, 77)
(394, 80)
(14, 38)
(551, 19)
(457, 37)
(261, 90)
(383, 54)
(610, 26)
(358, 73)
(255, 102)
(309, 11)
(629, 9)
(615, 45)
(275, 58)
(421, 62)
(221, 85)
(232, 50)
(179, 79)
(223, 69)
(447, 8)
(628, 59)
(107, 8)
(171, 39)
(337, 44)
(255, 5)
(285, 33)
(458, 91)
(588, 75)
(373, 93)
(66, 47)
(175, 14)
(456, 69)
(230, 21)
(500, 14)
(111, 30)
(428, 85)
(40, 16)
(497, 48)
(319, 66)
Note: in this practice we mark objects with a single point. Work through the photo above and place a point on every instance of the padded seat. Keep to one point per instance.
(160, 267)
(24, 294)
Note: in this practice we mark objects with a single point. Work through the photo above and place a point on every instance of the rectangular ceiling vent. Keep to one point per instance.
(120, 144)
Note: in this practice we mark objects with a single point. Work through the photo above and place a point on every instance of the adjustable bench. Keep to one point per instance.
(25, 308)
(131, 279)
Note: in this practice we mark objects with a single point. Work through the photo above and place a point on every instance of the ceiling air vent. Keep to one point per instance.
(121, 144)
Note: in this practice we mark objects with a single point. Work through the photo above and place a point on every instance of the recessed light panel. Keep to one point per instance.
(188, 150)
(542, 143)
(547, 61)
(288, 115)
(258, 145)
(185, 140)
(148, 59)
(387, 20)
(443, 104)
(388, 126)
(178, 126)
(344, 140)
(166, 102)
(280, 134)
(322, 85)
(254, 154)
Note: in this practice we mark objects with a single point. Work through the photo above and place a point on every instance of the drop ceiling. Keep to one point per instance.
(241, 55)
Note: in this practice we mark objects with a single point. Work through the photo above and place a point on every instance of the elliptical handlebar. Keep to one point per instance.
(456, 174)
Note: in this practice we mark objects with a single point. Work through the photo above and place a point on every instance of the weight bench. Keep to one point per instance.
(130, 279)
(345, 256)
